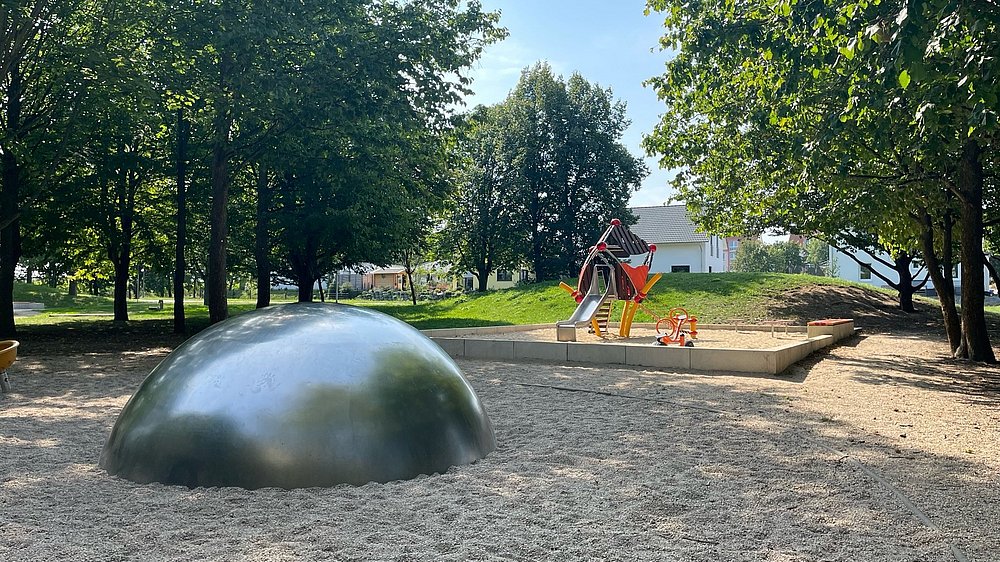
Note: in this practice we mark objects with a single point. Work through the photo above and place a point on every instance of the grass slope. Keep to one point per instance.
(712, 297)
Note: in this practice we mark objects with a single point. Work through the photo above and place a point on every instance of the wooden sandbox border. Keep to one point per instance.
(462, 343)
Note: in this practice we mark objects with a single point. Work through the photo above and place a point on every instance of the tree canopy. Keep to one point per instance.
(551, 155)
(214, 138)
(873, 117)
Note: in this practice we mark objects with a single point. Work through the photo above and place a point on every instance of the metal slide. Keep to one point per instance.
(588, 307)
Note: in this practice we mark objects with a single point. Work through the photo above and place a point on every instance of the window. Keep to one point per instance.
(866, 271)
(505, 275)
(524, 276)
(711, 245)
(680, 269)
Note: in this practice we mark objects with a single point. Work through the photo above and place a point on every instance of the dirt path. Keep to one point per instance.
(593, 464)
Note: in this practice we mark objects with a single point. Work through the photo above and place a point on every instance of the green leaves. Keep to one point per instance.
(547, 169)
(904, 79)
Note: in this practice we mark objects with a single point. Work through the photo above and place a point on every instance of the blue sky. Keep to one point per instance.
(609, 42)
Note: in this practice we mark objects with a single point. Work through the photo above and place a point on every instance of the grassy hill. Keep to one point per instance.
(713, 298)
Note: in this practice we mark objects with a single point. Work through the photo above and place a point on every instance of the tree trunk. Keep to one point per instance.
(120, 257)
(74, 287)
(413, 288)
(180, 267)
(537, 254)
(322, 296)
(943, 285)
(262, 241)
(121, 252)
(482, 278)
(975, 336)
(306, 289)
(10, 233)
(901, 263)
(408, 268)
(215, 289)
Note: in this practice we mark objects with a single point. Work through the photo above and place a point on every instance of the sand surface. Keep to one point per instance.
(879, 449)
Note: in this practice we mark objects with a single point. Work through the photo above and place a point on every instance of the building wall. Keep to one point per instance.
(469, 282)
(847, 268)
(691, 254)
(385, 281)
(715, 260)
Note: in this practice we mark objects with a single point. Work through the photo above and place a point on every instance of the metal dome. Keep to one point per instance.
(299, 395)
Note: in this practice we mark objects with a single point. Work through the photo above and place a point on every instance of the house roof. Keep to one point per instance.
(665, 224)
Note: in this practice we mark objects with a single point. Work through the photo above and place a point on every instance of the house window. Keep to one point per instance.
(711, 246)
(504, 275)
(680, 269)
(524, 276)
(866, 271)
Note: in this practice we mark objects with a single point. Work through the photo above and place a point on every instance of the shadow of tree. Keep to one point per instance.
(873, 311)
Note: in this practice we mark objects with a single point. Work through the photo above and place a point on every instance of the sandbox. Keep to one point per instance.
(763, 349)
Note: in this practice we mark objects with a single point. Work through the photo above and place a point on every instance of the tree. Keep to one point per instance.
(570, 171)
(774, 102)
(817, 259)
(37, 51)
(481, 231)
(751, 256)
(267, 59)
(786, 257)
(121, 137)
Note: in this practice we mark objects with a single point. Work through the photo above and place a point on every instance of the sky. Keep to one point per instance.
(609, 42)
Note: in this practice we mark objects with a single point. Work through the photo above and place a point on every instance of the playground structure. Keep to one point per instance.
(607, 276)
(8, 354)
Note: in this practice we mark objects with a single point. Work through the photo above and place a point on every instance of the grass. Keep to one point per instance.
(712, 297)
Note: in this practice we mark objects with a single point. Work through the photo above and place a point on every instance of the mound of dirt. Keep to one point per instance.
(875, 311)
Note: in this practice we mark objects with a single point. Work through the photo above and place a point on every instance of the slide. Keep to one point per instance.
(587, 308)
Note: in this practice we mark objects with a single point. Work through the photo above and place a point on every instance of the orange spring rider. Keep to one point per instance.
(677, 327)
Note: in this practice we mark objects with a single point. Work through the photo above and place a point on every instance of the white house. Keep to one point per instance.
(680, 248)
(844, 267)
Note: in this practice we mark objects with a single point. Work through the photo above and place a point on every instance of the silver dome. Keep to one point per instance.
(300, 395)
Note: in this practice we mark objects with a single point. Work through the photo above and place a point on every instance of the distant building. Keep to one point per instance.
(499, 279)
(680, 248)
(847, 268)
(389, 278)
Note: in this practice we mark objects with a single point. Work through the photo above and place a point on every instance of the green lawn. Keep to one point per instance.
(718, 297)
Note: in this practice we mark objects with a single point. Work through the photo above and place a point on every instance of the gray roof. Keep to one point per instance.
(665, 224)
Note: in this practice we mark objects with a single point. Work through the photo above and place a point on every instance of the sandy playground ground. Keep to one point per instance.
(877, 449)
